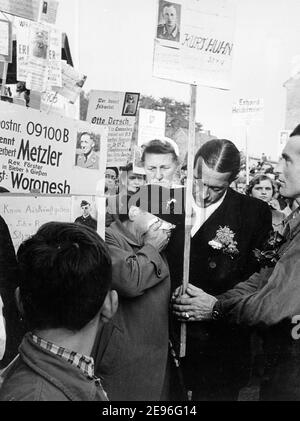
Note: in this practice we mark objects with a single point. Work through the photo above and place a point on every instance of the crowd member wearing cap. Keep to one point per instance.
(133, 365)
(227, 227)
(160, 160)
(64, 297)
(86, 218)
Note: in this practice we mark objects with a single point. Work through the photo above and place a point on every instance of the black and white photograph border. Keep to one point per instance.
(131, 103)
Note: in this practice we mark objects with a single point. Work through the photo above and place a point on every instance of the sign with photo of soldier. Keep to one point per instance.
(117, 111)
(49, 154)
(194, 42)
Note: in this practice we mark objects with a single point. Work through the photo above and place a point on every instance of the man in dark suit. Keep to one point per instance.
(226, 228)
(269, 298)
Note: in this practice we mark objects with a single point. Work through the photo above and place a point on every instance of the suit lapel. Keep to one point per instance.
(228, 214)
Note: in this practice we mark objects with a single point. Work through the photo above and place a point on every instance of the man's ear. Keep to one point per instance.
(19, 302)
(134, 211)
(109, 307)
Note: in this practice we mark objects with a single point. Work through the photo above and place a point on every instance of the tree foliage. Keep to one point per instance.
(177, 112)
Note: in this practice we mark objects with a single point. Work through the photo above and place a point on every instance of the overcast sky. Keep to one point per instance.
(112, 42)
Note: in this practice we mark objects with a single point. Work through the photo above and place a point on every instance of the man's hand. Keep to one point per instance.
(195, 305)
(156, 237)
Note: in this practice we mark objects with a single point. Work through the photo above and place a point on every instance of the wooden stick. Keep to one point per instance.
(188, 209)
(4, 77)
(247, 155)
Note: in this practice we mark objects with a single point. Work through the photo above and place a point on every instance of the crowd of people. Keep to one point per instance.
(112, 310)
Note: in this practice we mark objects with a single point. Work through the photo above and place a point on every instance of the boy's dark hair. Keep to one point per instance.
(221, 155)
(65, 273)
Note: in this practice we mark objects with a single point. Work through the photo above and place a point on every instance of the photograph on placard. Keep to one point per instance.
(131, 102)
(169, 21)
(40, 43)
(84, 211)
(87, 150)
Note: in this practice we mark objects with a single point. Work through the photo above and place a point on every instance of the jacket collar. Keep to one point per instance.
(229, 207)
(65, 377)
(292, 224)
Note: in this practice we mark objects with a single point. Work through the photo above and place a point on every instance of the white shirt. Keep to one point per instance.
(201, 215)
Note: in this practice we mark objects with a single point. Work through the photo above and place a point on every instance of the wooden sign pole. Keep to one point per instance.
(247, 155)
(188, 209)
(4, 77)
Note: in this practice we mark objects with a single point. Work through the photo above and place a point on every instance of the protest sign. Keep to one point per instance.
(5, 41)
(22, 36)
(38, 55)
(247, 111)
(199, 49)
(48, 11)
(28, 9)
(49, 154)
(72, 82)
(37, 62)
(117, 110)
(25, 214)
(152, 124)
(54, 56)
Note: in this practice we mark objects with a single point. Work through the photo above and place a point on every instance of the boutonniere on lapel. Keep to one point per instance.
(270, 255)
(225, 242)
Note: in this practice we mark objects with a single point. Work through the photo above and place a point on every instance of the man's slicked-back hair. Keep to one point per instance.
(220, 155)
(65, 273)
(296, 131)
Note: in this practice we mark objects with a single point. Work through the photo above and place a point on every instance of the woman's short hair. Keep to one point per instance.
(256, 180)
(161, 147)
(221, 155)
(65, 273)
